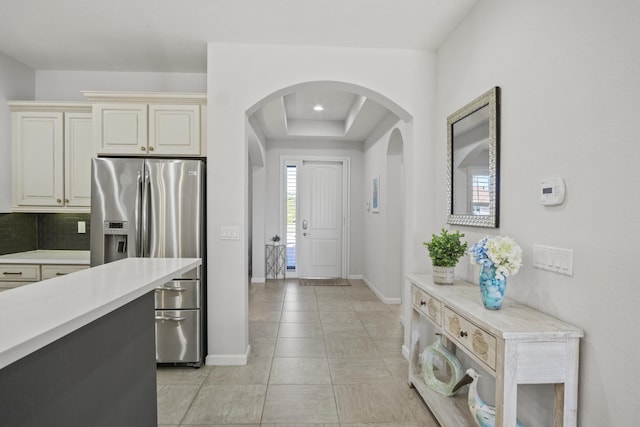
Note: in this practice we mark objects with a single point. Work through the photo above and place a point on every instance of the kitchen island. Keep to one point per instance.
(80, 349)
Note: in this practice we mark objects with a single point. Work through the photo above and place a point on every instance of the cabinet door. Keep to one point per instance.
(174, 130)
(121, 128)
(38, 159)
(78, 151)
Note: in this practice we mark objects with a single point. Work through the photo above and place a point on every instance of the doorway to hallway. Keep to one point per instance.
(315, 216)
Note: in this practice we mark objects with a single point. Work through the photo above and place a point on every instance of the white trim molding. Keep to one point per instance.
(228, 359)
(379, 295)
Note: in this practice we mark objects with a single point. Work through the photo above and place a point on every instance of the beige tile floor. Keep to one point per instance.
(320, 356)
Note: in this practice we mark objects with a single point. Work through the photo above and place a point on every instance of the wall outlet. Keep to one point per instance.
(82, 227)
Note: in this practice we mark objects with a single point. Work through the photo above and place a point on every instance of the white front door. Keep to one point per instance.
(320, 219)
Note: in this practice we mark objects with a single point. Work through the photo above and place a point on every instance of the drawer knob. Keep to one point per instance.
(143, 148)
(423, 303)
(463, 334)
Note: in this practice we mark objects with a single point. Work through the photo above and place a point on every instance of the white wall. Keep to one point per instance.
(382, 260)
(67, 85)
(271, 211)
(240, 76)
(569, 77)
(17, 82)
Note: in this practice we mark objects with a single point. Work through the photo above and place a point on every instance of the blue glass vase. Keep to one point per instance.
(491, 288)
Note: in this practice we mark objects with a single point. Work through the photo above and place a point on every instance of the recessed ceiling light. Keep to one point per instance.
(318, 107)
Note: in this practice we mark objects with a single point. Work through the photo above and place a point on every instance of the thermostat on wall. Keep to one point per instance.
(552, 191)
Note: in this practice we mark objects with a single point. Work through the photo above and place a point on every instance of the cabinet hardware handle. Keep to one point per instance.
(423, 302)
(175, 319)
(171, 289)
(151, 148)
(66, 200)
(463, 334)
(12, 273)
(60, 274)
(143, 148)
(58, 201)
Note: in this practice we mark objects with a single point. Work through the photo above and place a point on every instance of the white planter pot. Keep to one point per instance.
(443, 275)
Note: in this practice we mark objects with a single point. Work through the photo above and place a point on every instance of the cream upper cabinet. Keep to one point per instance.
(52, 148)
(174, 130)
(121, 128)
(38, 159)
(148, 124)
(78, 151)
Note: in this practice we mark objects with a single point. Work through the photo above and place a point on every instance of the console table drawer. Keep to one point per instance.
(479, 342)
(429, 306)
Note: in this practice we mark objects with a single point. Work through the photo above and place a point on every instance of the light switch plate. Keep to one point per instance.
(553, 259)
(228, 232)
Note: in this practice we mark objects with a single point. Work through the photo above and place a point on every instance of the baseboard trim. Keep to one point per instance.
(258, 280)
(228, 359)
(355, 277)
(379, 295)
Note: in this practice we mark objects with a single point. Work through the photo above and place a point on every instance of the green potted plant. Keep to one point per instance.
(445, 250)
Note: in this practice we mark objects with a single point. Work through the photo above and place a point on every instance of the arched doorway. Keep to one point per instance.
(269, 195)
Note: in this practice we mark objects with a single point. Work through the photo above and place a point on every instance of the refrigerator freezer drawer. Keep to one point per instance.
(178, 294)
(178, 336)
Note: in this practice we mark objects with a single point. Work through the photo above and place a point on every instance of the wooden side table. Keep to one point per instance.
(515, 345)
(275, 261)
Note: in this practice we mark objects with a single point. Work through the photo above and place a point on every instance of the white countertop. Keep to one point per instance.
(36, 315)
(47, 257)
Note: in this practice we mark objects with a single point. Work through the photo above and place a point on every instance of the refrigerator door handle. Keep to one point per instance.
(137, 219)
(144, 223)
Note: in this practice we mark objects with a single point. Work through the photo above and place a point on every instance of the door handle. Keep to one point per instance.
(145, 220)
(170, 289)
(169, 318)
(304, 224)
(306, 234)
(138, 213)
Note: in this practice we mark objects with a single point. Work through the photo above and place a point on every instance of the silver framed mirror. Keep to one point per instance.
(473, 166)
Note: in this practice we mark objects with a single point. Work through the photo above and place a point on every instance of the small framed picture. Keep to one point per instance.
(375, 195)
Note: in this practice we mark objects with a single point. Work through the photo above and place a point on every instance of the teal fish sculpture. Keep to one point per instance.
(483, 414)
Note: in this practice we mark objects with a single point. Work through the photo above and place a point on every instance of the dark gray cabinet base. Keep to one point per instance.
(103, 374)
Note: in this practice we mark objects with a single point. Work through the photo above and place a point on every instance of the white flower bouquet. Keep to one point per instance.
(501, 253)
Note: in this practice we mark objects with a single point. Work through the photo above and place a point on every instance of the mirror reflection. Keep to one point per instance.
(473, 162)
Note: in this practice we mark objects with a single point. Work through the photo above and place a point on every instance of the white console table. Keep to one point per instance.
(515, 345)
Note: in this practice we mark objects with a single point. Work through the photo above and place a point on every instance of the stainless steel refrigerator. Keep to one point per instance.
(142, 207)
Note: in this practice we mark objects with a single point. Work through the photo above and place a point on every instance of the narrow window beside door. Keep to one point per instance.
(291, 217)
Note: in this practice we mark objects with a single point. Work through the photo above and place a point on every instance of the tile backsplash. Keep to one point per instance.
(60, 231)
(25, 232)
(18, 232)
